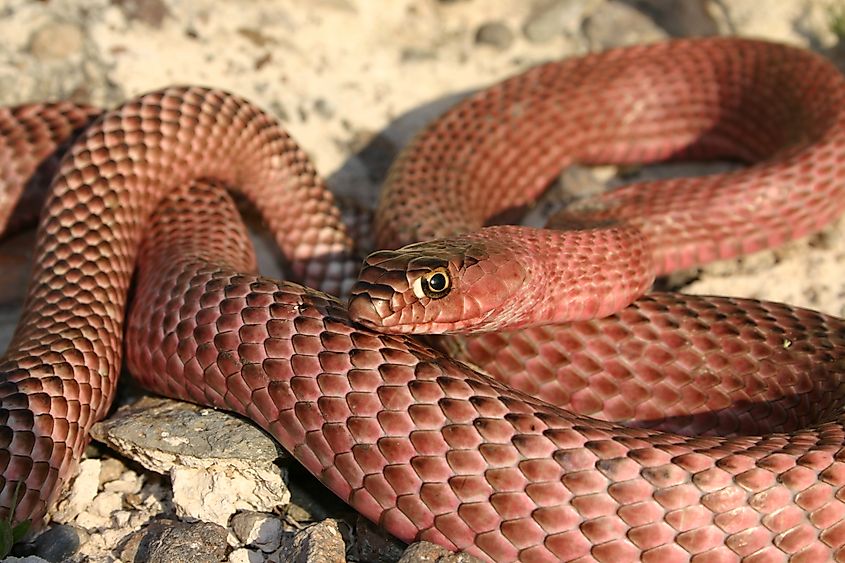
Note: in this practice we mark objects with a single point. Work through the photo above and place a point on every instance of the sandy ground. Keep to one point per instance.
(352, 80)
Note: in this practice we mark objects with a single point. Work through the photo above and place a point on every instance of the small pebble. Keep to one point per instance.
(150, 12)
(553, 19)
(426, 552)
(243, 555)
(58, 40)
(111, 469)
(257, 529)
(494, 34)
(323, 108)
(615, 24)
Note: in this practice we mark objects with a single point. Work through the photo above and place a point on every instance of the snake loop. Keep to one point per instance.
(723, 435)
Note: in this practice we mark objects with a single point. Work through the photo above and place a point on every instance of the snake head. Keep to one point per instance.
(436, 287)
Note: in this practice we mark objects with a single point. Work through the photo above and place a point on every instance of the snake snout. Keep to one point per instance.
(377, 296)
(366, 307)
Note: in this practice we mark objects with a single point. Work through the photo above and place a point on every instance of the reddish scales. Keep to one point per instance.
(61, 368)
(414, 440)
(781, 109)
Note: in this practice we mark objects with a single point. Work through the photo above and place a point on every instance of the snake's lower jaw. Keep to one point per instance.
(380, 315)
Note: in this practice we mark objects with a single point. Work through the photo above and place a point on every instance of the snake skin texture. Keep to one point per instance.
(61, 368)
(778, 108)
(32, 137)
(727, 438)
(430, 449)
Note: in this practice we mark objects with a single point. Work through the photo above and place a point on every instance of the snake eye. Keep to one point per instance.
(434, 284)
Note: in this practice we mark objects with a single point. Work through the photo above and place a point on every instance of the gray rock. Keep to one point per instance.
(423, 552)
(258, 530)
(165, 541)
(200, 542)
(318, 543)
(374, 544)
(426, 552)
(553, 18)
(679, 19)
(175, 429)
(57, 543)
(614, 24)
(218, 464)
(494, 34)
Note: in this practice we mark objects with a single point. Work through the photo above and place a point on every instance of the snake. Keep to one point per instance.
(686, 427)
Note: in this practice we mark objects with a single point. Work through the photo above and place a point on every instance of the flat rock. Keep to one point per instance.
(166, 541)
(160, 434)
(57, 543)
(218, 464)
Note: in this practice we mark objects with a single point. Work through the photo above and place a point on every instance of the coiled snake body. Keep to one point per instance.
(728, 434)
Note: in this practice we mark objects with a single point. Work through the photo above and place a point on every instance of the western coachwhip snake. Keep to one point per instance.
(729, 435)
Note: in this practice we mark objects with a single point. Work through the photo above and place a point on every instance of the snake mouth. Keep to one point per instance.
(377, 314)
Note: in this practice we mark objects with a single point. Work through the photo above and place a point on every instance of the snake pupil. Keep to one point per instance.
(434, 285)
(437, 282)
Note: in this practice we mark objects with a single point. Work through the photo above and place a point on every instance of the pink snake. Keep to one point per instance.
(723, 436)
